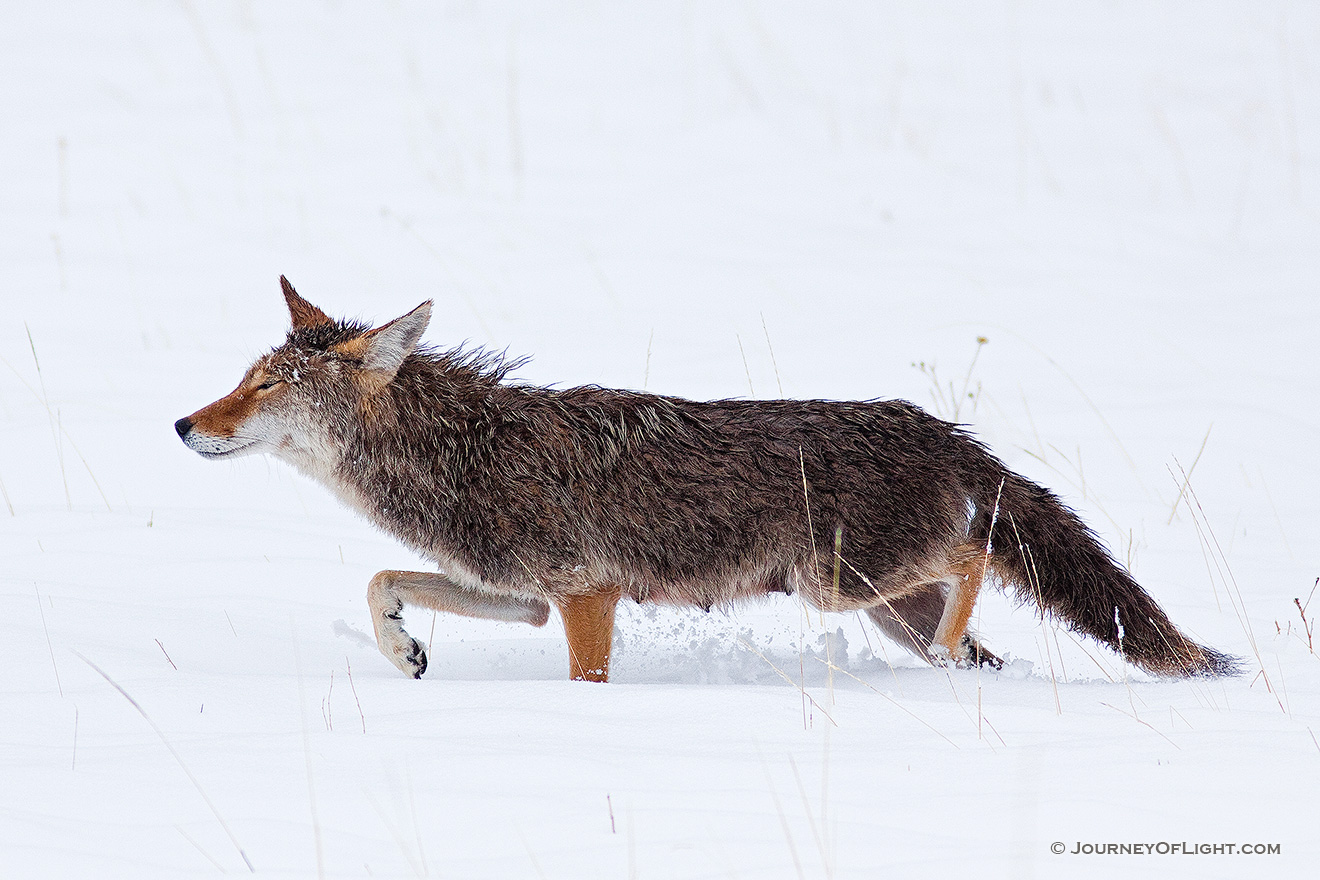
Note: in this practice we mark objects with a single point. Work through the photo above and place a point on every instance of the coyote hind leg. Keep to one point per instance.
(951, 642)
(912, 620)
(389, 590)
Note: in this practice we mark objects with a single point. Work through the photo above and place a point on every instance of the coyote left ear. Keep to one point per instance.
(388, 345)
(303, 313)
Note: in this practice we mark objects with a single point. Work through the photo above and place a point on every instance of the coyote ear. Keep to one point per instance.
(388, 345)
(303, 313)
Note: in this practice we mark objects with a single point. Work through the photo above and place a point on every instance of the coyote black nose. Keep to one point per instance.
(183, 426)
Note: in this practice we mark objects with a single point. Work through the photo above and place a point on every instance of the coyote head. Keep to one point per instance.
(296, 400)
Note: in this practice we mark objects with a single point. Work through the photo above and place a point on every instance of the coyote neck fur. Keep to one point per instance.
(412, 459)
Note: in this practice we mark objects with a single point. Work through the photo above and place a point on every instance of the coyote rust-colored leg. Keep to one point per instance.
(964, 585)
(589, 625)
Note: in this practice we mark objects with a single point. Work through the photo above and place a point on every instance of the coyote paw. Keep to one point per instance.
(977, 655)
(414, 662)
(969, 655)
(406, 653)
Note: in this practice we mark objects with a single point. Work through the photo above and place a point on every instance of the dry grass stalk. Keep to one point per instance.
(177, 758)
(353, 687)
(166, 653)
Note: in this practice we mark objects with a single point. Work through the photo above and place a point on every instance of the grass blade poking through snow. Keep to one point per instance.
(51, 648)
(177, 758)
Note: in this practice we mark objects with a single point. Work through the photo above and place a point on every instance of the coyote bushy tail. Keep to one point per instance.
(1052, 559)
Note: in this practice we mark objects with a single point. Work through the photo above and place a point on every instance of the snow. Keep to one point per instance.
(830, 200)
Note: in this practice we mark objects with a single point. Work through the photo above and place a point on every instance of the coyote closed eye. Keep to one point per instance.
(526, 497)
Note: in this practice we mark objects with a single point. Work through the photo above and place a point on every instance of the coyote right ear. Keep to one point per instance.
(303, 313)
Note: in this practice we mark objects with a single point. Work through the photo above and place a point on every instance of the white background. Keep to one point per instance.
(706, 200)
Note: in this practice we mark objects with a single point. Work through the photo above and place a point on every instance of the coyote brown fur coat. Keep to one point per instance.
(527, 497)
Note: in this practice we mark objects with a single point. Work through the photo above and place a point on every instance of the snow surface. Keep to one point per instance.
(706, 200)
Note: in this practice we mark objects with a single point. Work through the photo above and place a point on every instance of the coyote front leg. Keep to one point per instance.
(389, 590)
(589, 626)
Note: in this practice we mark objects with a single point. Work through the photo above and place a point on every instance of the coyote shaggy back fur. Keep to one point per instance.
(526, 497)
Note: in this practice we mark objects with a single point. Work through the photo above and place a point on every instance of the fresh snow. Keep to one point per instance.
(710, 200)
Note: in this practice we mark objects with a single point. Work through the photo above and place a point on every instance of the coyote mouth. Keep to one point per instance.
(223, 453)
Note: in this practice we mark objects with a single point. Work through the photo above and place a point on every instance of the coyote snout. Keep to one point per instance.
(529, 497)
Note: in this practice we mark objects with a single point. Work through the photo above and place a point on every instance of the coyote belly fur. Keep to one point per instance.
(528, 497)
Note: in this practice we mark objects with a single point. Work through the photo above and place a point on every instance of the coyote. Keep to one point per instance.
(526, 497)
